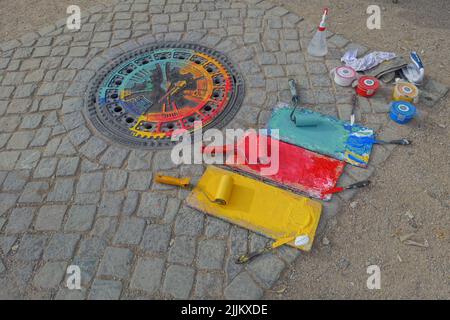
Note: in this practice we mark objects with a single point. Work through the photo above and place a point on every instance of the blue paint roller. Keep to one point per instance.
(299, 122)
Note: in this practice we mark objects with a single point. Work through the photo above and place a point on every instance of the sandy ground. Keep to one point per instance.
(410, 194)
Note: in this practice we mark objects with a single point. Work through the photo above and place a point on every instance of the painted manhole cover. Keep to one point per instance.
(143, 96)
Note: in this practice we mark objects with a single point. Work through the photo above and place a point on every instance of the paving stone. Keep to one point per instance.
(2, 267)
(90, 182)
(9, 124)
(380, 105)
(24, 91)
(50, 275)
(41, 137)
(13, 78)
(116, 262)
(79, 135)
(34, 76)
(182, 250)
(74, 120)
(189, 222)
(61, 247)
(156, 238)
(274, 71)
(139, 181)
(115, 180)
(105, 290)
(62, 190)
(67, 294)
(243, 288)
(72, 105)
(209, 285)
(89, 166)
(4, 139)
(2, 222)
(51, 103)
(20, 140)
(338, 40)
(111, 204)
(114, 157)
(130, 231)
(87, 198)
(31, 247)
(19, 220)
(104, 227)
(147, 275)
(7, 201)
(266, 269)
(172, 208)
(46, 168)
(93, 147)
(50, 217)
(139, 160)
(178, 281)
(6, 242)
(31, 121)
(211, 254)
(67, 166)
(8, 159)
(78, 51)
(80, 218)
(34, 192)
(15, 180)
(130, 203)
(152, 205)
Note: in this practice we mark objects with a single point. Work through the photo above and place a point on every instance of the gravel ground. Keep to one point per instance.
(415, 181)
(410, 194)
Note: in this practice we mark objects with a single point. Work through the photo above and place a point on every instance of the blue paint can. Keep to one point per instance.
(402, 112)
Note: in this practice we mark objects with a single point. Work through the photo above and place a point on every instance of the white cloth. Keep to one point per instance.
(368, 61)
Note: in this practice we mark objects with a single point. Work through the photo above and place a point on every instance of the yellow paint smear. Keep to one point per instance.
(254, 205)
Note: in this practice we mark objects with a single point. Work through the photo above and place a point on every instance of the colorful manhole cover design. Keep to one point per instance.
(144, 96)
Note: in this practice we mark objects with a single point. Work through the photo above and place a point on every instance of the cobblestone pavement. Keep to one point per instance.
(70, 197)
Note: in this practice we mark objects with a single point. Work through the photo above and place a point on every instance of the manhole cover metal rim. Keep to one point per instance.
(117, 134)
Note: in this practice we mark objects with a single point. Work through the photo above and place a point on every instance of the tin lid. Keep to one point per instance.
(368, 83)
(403, 108)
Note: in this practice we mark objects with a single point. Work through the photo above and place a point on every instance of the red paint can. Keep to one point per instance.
(367, 86)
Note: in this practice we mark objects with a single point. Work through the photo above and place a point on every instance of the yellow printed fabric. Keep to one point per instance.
(286, 217)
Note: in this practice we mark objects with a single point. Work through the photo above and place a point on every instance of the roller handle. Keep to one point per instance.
(295, 97)
(293, 88)
(173, 181)
(359, 184)
(245, 258)
(402, 142)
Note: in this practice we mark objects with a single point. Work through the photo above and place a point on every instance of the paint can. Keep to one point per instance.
(402, 112)
(405, 91)
(367, 86)
(343, 75)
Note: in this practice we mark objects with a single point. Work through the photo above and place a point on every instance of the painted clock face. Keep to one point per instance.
(159, 90)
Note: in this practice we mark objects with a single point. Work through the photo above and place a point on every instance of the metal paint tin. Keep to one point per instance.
(344, 76)
(367, 86)
(405, 91)
(402, 112)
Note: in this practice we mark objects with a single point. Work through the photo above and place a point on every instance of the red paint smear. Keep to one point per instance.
(299, 169)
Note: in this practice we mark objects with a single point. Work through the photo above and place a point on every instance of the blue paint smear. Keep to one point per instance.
(331, 137)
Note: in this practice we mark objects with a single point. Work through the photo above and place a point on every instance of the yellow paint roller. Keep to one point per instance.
(285, 217)
(224, 190)
(221, 196)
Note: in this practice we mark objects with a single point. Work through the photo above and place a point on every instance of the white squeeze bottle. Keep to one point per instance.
(318, 45)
